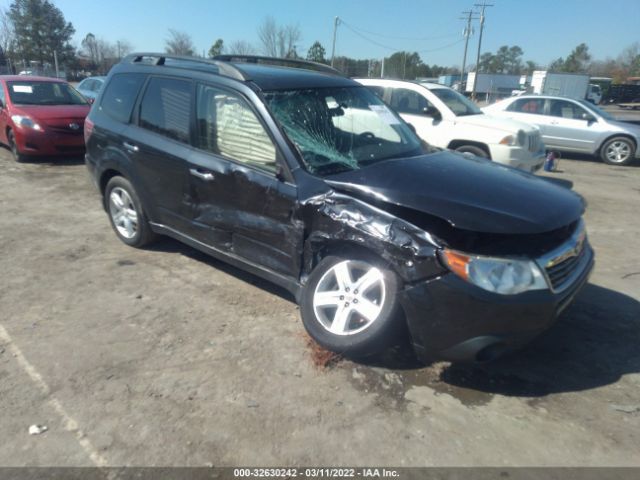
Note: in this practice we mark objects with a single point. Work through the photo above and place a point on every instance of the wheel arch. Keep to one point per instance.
(107, 175)
(319, 248)
(453, 144)
(616, 135)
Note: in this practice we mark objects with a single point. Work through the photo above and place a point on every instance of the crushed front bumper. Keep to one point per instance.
(452, 319)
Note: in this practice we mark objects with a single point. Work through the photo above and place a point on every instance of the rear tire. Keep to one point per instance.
(472, 149)
(350, 305)
(618, 151)
(17, 156)
(125, 212)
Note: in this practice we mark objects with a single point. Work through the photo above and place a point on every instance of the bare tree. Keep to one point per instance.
(103, 54)
(7, 35)
(278, 41)
(123, 48)
(90, 48)
(268, 35)
(179, 43)
(241, 47)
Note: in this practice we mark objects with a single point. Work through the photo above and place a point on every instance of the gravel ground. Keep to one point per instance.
(166, 357)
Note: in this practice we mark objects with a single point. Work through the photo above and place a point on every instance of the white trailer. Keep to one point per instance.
(498, 84)
(572, 85)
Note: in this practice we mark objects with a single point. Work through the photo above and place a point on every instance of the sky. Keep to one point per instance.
(544, 29)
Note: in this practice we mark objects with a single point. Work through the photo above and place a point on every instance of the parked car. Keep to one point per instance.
(308, 179)
(447, 119)
(41, 117)
(574, 126)
(90, 87)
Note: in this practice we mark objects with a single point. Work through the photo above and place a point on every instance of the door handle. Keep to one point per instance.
(206, 176)
(131, 147)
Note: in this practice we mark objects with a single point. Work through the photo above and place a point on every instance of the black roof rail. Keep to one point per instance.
(181, 61)
(280, 62)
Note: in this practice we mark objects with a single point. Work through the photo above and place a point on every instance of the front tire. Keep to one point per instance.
(472, 149)
(617, 151)
(17, 156)
(350, 305)
(126, 215)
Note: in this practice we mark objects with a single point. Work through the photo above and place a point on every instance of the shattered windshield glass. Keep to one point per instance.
(341, 129)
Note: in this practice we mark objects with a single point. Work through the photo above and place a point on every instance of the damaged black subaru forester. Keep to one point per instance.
(304, 177)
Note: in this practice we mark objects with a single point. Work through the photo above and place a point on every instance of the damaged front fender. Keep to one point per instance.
(339, 221)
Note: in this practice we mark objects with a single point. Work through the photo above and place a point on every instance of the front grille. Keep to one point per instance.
(560, 272)
(68, 130)
(534, 141)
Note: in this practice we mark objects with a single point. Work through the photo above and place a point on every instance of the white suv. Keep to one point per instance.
(446, 119)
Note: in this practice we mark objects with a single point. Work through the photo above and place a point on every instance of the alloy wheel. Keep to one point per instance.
(123, 212)
(618, 151)
(349, 297)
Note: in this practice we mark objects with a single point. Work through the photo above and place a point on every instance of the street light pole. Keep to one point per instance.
(336, 22)
(475, 79)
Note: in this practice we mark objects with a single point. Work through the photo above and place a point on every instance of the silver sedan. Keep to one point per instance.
(574, 126)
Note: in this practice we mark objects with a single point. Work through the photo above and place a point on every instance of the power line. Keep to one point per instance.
(395, 49)
(393, 37)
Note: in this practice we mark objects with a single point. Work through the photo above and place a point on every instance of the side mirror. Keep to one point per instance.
(589, 118)
(432, 112)
(280, 173)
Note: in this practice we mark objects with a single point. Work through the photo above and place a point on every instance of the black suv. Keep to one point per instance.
(304, 177)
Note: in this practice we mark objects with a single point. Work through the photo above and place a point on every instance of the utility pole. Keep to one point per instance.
(467, 33)
(55, 60)
(336, 22)
(382, 69)
(482, 6)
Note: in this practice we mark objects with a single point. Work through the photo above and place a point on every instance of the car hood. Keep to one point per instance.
(468, 192)
(48, 113)
(627, 125)
(486, 120)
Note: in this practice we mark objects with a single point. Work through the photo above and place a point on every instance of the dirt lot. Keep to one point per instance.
(166, 357)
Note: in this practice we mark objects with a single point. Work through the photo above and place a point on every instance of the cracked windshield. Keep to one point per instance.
(341, 129)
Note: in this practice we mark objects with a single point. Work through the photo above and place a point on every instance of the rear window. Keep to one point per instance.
(166, 108)
(120, 95)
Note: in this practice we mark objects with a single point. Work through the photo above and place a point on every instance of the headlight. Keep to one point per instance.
(517, 140)
(498, 275)
(24, 121)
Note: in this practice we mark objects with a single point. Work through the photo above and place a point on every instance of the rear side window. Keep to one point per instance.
(528, 105)
(120, 95)
(408, 101)
(166, 108)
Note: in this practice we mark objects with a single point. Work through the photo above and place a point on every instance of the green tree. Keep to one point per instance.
(557, 65)
(578, 59)
(217, 48)
(40, 29)
(405, 65)
(506, 60)
(530, 66)
(316, 53)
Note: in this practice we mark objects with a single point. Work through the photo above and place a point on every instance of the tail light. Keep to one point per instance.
(88, 129)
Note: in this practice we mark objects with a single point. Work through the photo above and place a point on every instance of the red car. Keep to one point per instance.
(41, 117)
